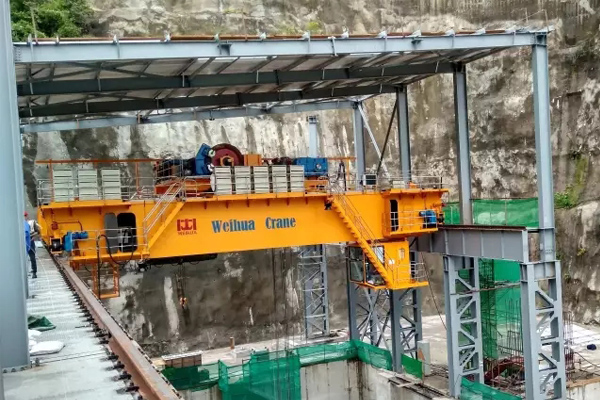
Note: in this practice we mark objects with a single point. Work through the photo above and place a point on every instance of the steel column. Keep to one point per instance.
(14, 347)
(313, 273)
(463, 321)
(541, 305)
(313, 137)
(403, 132)
(463, 150)
(359, 141)
(352, 292)
(406, 324)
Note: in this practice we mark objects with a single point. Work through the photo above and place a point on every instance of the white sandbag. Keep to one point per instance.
(31, 344)
(33, 334)
(50, 347)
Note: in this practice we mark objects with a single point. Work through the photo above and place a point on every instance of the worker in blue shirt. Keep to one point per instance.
(30, 246)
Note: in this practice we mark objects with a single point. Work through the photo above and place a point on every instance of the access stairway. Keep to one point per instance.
(360, 231)
(152, 228)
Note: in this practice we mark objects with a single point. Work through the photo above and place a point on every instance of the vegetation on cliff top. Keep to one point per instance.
(50, 18)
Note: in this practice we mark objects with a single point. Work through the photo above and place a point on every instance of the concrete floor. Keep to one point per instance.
(80, 370)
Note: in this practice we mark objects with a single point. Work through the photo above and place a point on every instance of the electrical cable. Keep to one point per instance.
(99, 261)
(431, 291)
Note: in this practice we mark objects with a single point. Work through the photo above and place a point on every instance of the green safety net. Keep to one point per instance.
(500, 307)
(479, 391)
(276, 375)
(511, 212)
(39, 323)
(193, 378)
(412, 366)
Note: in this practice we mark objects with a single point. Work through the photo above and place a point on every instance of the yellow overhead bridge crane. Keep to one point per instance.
(106, 212)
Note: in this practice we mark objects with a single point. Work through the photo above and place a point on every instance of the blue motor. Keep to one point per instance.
(204, 159)
(429, 219)
(313, 166)
(70, 237)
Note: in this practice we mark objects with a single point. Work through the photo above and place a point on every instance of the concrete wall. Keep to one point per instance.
(587, 390)
(211, 394)
(337, 380)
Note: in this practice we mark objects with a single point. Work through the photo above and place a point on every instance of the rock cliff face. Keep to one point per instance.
(242, 295)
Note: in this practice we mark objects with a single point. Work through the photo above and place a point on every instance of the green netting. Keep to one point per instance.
(515, 212)
(479, 391)
(326, 353)
(265, 376)
(375, 356)
(274, 375)
(39, 323)
(193, 378)
(412, 366)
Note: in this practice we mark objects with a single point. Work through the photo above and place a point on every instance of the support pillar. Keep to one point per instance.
(541, 305)
(403, 132)
(463, 321)
(359, 142)
(463, 147)
(405, 305)
(313, 273)
(461, 274)
(14, 344)
(313, 137)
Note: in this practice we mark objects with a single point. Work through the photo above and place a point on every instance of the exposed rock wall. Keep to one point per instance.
(233, 295)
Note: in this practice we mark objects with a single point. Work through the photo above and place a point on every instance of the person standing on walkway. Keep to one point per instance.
(32, 231)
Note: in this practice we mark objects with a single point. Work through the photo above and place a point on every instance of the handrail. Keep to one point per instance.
(160, 207)
(366, 234)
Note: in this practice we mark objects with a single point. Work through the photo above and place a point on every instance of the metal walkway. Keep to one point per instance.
(80, 370)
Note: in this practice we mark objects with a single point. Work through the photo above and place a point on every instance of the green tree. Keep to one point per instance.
(64, 18)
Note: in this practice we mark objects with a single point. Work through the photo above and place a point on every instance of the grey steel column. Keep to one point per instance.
(313, 275)
(396, 316)
(14, 347)
(463, 322)
(541, 305)
(403, 132)
(313, 137)
(463, 147)
(359, 142)
(352, 292)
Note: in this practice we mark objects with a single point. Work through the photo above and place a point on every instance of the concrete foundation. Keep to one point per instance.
(345, 380)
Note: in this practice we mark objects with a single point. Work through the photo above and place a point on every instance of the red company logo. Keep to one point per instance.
(186, 226)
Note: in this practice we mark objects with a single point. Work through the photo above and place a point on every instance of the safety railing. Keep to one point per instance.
(121, 244)
(152, 188)
(403, 222)
(160, 207)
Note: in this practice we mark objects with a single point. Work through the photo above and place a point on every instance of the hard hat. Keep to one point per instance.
(25, 214)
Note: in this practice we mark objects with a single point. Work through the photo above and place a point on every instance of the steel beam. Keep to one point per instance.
(463, 147)
(463, 322)
(242, 112)
(14, 344)
(403, 131)
(478, 241)
(112, 50)
(81, 86)
(225, 100)
(313, 277)
(359, 141)
(541, 305)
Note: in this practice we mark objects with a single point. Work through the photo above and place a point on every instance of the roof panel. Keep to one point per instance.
(155, 74)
